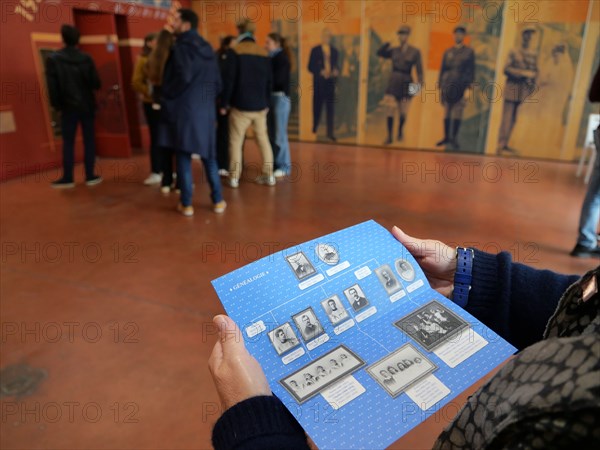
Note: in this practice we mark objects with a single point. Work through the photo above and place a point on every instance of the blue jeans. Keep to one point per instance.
(590, 211)
(70, 120)
(278, 132)
(185, 178)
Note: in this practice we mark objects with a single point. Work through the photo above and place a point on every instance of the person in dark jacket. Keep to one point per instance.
(72, 79)
(190, 86)
(324, 66)
(456, 76)
(246, 96)
(223, 119)
(279, 112)
(587, 240)
(546, 396)
(401, 88)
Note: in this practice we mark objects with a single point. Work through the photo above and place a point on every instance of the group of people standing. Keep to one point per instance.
(196, 102)
(201, 102)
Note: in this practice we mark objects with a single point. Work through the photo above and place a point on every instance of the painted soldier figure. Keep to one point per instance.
(400, 88)
(521, 72)
(456, 76)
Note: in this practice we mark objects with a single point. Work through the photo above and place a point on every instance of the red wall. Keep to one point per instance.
(28, 25)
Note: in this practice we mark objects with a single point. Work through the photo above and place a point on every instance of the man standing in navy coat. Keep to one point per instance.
(191, 83)
(323, 64)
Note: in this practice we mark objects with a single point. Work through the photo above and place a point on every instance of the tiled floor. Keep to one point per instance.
(107, 288)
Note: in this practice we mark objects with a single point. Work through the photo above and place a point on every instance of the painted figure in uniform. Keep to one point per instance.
(456, 76)
(400, 88)
(521, 72)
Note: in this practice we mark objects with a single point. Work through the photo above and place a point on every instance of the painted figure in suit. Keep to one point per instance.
(348, 85)
(323, 64)
(456, 76)
(521, 72)
(401, 89)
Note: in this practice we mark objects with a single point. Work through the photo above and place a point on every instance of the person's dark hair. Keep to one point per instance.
(246, 26)
(280, 40)
(146, 48)
(70, 35)
(225, 44)
(189, 16)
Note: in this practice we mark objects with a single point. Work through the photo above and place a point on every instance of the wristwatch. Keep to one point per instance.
(462, 277)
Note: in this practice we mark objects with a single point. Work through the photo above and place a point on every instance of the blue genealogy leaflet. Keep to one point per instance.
(353, 339)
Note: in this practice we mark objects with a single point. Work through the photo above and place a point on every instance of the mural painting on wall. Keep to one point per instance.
(397, 45)
(540, 73)
(428, 84)
(330, 66)
(462, 63)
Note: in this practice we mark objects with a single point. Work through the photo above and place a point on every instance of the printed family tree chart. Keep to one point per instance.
(353, 339)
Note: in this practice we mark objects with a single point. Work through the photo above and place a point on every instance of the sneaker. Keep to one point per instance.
(268, 180)
(62, 184)
(220, 207)
(165, 189)
(96, 179)
(153, 178)
(234, 183)
(187, 211)
(223, 173)
(585, 252)
(279, 173)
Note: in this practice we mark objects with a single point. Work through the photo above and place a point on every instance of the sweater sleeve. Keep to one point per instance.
(514, 300)
(139, 81)
(259, 423)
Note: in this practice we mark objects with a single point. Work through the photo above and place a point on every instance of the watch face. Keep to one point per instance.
(328, 254)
